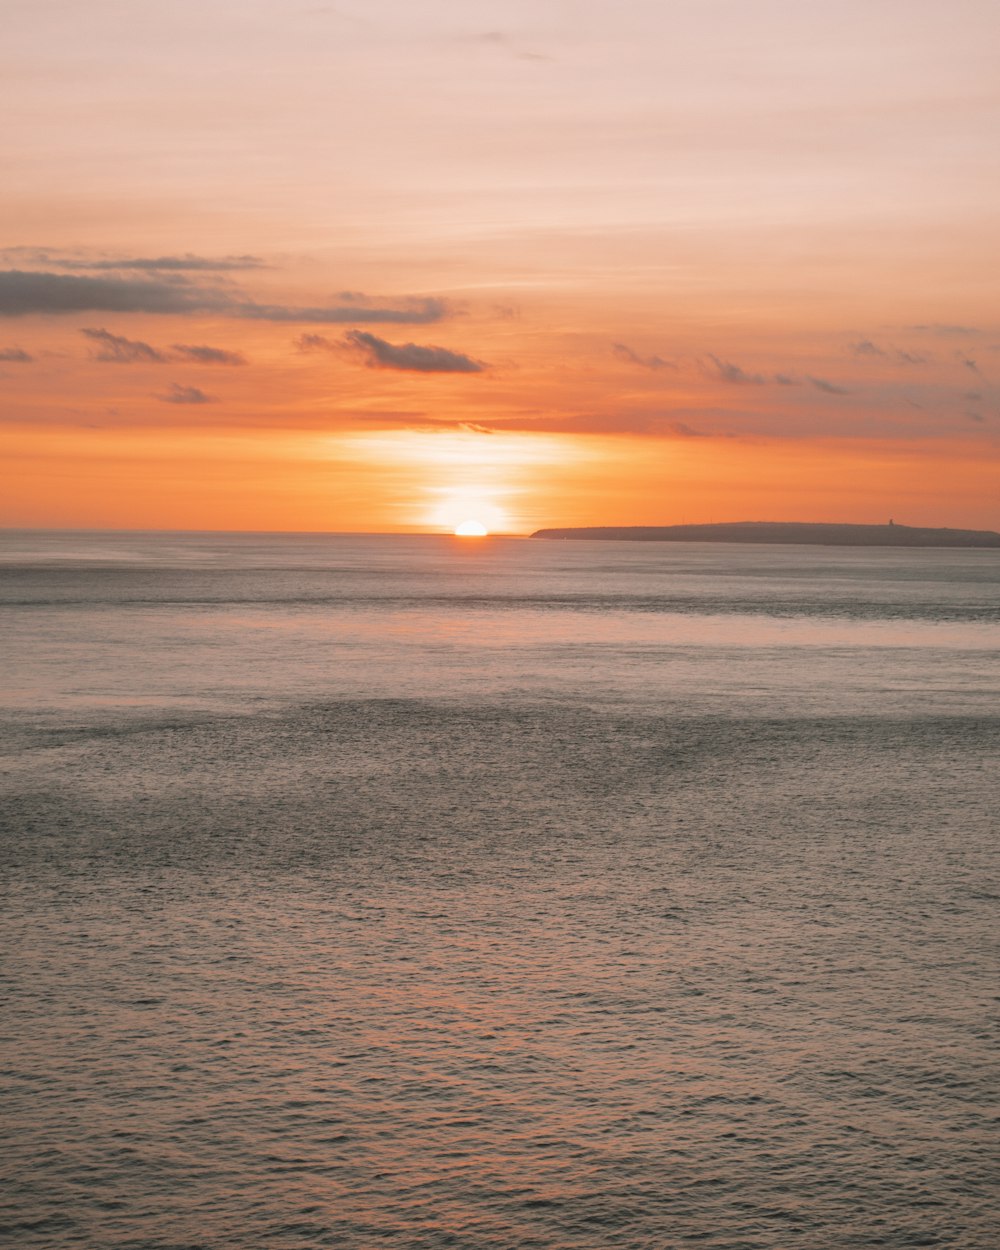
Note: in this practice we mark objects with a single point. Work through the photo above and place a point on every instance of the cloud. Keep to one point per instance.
(865, 347)
(208, 355)
(622, 352)
(315, 343)
(737, 376)
(114, 349)
(410, 356)
(26, 293)
(415, 312)
(185, 395)
(188, 262)
(664, 424)
(729, 372)
(165, 264)
(936, 327)
(668, 424)
(828, 388)
(14, 355)
(498, 39)
(969, 364)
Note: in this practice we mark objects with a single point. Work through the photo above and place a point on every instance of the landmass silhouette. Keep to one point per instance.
(812, 533)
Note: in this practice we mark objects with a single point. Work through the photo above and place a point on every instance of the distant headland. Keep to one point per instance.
(814, 534)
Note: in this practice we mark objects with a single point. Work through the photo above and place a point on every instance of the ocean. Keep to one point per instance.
(427, 892)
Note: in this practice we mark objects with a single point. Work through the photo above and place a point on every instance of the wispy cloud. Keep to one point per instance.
(202, 355)
(675, 424)
(944, 329)
(735, 375)
(865, 347)
(623, 352)
(115, 349)
(828, 388)
(728, 372)
(188, 262)
(185, 395)
(668, 424)
(497, 39)
(316, 343)
(410, 356)
(15, 355)
(413, 312)
(164, 264)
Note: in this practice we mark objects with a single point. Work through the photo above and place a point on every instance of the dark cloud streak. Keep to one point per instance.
(946, 330)
(828, 388)
(422, 312)
(25, 293)
(410, 356)
(728, 372)
(621, 351)
(202, 355)
(186, 263)
(865, 347)
(315, 343)
(185, 395)
(165, 264)
(117, 350)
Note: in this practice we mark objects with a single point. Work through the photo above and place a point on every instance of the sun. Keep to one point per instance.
(471, 529)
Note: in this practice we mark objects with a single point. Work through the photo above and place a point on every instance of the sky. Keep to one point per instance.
(395, 265)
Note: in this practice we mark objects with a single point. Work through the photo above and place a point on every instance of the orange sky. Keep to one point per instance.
(388, 266)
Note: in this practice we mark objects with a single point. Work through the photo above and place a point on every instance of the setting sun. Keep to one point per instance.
(471, 529)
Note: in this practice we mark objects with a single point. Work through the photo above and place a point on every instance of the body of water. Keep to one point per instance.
(423, 892)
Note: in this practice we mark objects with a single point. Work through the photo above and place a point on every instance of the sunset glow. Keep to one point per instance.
(563, 265)
(500, 551)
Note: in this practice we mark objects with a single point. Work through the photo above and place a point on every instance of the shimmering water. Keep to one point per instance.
(400, 891)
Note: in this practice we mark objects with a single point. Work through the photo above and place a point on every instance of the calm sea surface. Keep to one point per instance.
(373, 891)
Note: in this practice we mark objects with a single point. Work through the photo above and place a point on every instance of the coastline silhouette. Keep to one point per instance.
(812, 533)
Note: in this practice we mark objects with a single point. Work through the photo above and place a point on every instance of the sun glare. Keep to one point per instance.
(471, 529)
